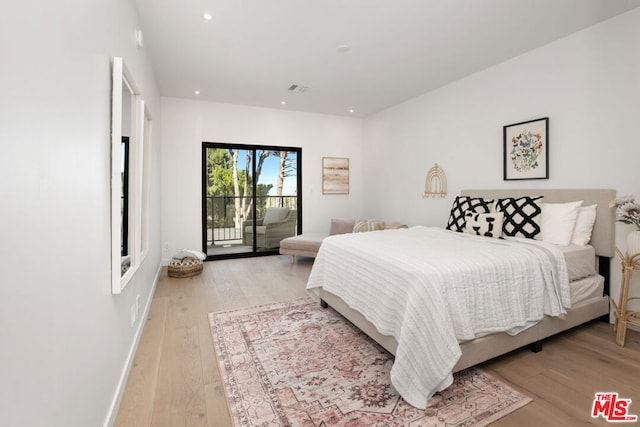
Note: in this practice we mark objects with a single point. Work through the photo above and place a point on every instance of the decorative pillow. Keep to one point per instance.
(368, 225)
(584, 225)
(484, 224)
(520, 216)
(466, 203)
(394, 225)
(558, 221)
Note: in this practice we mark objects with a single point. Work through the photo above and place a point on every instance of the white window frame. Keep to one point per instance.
(122, 80)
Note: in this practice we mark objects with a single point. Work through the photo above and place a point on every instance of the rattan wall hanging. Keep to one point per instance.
(435, 185)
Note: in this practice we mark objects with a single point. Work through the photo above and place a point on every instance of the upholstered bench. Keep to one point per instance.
(302, 245)
(308, 244)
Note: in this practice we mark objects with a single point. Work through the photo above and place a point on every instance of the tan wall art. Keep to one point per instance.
(335, 175)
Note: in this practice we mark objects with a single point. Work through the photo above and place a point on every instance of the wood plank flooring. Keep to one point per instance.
(175, 380)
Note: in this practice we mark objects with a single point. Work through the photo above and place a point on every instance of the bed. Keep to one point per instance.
(425, 353)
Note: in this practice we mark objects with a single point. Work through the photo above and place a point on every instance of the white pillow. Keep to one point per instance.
(558, 221)
(584, 225)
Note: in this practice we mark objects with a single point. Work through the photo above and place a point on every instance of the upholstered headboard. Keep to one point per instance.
(603, 237)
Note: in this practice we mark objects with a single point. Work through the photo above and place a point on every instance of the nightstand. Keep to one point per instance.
(623, 315)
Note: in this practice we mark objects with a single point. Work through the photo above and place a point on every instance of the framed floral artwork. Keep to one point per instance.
(526, 150)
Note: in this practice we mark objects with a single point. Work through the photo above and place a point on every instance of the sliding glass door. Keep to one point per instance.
(251, 198)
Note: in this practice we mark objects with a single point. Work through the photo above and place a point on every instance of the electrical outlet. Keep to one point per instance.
(165, 246)
(137, 305)
(133, 315)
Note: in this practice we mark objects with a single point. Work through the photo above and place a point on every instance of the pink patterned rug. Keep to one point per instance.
(297, 364)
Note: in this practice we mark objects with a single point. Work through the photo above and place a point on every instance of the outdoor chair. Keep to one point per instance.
(277, 224)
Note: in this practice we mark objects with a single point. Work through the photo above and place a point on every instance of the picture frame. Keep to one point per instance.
(335, 175)
(526, 150)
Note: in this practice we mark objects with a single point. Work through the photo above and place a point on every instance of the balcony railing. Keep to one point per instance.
(221, 218)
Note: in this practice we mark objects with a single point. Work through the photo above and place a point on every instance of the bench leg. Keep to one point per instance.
(293, 259)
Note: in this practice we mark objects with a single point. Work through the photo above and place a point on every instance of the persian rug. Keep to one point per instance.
(297, 364)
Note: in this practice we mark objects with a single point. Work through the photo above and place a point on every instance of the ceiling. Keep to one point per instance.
(360, 55)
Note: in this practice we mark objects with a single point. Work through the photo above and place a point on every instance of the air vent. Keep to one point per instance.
(299, 88)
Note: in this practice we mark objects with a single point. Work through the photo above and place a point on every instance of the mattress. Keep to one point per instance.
(584, 282)
(586, 288)
(581, 261)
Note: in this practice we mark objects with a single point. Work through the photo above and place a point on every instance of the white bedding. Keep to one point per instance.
(431, 288)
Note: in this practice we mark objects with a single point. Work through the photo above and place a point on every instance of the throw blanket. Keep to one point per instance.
(431, 289)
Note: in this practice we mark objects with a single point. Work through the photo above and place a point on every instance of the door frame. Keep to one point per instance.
(227, 145)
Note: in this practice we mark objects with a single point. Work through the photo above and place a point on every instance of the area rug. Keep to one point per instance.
(297, 364)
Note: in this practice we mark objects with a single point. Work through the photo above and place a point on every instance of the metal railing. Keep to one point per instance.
(222, 224)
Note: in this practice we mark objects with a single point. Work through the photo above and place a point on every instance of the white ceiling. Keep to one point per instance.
(253, 50)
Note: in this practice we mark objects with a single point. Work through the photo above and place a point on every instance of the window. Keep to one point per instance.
(124, 197)
(128, 188)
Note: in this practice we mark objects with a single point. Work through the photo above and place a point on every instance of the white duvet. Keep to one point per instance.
(431, 289)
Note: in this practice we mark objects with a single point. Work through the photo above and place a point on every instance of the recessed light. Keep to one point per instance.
(207, 16)
(351, 110)
(283, 102)
(343, 48)
(197, 92)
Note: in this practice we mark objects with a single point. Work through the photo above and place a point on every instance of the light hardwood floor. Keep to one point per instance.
(175, 381)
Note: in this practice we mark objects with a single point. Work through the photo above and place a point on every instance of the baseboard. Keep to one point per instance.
(122, 383)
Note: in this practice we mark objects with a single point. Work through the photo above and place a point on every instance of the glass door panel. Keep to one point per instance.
(276, 197)
(228, 200)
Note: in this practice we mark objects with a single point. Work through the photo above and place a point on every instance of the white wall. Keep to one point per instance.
(65, 340)
(186, 124)
(588, 84)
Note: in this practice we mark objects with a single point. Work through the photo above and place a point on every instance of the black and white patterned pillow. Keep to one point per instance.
(484, 224)
(521, 216)
(462, 204)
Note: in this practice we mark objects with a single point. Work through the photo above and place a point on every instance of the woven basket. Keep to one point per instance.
(186, 267)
